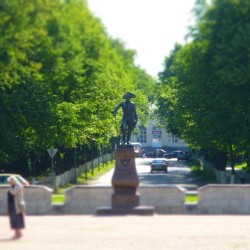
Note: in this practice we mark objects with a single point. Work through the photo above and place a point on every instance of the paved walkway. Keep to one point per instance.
(161, 232)
(131, 232)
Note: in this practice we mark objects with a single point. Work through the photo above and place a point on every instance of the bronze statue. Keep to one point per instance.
(129, 118)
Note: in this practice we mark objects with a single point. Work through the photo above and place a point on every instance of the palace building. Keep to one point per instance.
(155, 137)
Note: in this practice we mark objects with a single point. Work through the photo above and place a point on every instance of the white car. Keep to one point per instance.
(4, 179)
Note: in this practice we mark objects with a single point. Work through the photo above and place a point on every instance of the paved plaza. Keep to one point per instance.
(166, 232)
(129, 232)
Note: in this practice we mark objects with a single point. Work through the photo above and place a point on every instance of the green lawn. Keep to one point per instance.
(191, 198)
(59, 195)
(58, 198)
(240, 166)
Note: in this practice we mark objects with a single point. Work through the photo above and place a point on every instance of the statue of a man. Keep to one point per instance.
(129, 118)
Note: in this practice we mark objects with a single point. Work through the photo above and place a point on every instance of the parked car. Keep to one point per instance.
(183, 156)
(170, 155)
(159, 164)
(180, 155)
(4, 179)
(150, 154)
(156, 153)
(161, 152)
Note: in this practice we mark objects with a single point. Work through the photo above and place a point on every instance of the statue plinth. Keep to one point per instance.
(125, 181)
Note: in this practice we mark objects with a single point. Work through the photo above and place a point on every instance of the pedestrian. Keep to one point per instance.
(16, 206)
(141, 153)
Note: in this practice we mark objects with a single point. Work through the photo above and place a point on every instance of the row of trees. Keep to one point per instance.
(204, 88)
(61, 75)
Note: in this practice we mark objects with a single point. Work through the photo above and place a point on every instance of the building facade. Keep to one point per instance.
(152, 136)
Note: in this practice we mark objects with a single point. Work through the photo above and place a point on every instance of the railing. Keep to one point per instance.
(70, 176)
(166, 199)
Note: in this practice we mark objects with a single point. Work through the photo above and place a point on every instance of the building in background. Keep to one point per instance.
(156, 137)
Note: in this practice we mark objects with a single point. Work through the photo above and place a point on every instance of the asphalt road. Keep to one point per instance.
(178, 173)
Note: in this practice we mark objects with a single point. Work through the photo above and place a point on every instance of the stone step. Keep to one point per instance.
(192, 192)
(57, 208)
(191, 208)
(138, 210)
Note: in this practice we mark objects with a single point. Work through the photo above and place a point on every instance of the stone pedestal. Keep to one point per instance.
(125, 181)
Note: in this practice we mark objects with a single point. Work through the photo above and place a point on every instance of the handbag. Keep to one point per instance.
(22, 206)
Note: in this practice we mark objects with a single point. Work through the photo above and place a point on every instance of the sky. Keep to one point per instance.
(150, 27)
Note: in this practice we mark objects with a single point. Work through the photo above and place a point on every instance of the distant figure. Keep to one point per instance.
(16, 206)
(141, 153)
(129, 118)
(243, 175)
(156, 152)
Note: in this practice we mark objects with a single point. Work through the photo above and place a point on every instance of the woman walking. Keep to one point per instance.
(16, 206)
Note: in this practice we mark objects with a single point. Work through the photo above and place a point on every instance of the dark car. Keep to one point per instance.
(159, 165)
(170, 155)
(156, 153)
(161, 152)
(150, 154)
(183, 156)
(180, 155)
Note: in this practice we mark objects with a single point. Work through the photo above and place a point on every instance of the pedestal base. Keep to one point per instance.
(140, 210)
(125, 199)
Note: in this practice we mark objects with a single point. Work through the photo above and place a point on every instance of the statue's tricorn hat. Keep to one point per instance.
(129, 94)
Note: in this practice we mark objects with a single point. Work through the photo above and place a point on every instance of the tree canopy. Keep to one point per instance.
(204, 88)
(61, 75)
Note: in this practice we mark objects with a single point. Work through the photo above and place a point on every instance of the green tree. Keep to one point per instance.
(208, 80)
(61, 75)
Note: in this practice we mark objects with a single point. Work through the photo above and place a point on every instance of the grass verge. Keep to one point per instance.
(191, 198)
(59, 195)
(203, 175)
(58, 198)
(240, 166)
